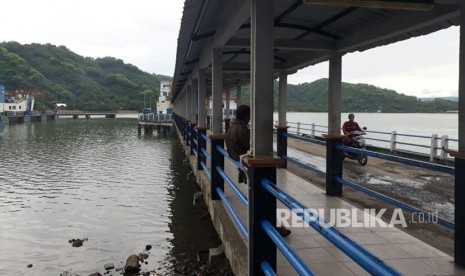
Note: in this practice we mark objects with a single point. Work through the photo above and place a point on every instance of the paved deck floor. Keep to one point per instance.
(401, 251)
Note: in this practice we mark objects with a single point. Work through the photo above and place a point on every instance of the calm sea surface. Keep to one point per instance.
(95, 179)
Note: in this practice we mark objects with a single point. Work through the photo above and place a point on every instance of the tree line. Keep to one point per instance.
(110, 84)
(313, 97)
(81, 82)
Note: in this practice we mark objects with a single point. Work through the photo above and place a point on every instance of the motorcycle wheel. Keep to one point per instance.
(363, 160)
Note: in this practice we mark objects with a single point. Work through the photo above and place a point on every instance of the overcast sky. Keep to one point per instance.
(144, 33)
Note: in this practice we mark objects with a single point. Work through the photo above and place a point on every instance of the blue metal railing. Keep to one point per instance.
(206, 170)
(195, 153)
(305, 166)
(226, 154)
(296, 262)
(194, 141)
(353, 250)
(392, 201)
(407, 161)
(357, 253)
(392, 142)
(267, 269)
(205, 153)
(233, 214)
(206, 138)
(310, 140)
(233, 186)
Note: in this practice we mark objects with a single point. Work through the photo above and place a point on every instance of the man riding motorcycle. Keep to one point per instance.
(353, 138)
(348, 127)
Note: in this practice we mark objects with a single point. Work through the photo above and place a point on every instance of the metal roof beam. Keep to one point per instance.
(396, 26)
(285, 44)
(240, 12)
(374, 4)
(288, 11)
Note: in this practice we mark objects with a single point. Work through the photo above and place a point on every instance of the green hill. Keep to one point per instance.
(109, 84)
(313, 97)
(81, 82)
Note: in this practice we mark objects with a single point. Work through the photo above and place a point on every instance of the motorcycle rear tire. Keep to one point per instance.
(363, 160)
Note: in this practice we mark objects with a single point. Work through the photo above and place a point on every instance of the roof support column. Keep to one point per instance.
(459, 233)
(261, 95)
(333, 155)
(227, 120)
(262, 205)
(186, 98)
(228, 93)
(282, 120)
(334, 94)
(238, 95)
(217, 91)
(201, 100)
(193, 104)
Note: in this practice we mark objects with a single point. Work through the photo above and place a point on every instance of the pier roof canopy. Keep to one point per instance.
(305, 31)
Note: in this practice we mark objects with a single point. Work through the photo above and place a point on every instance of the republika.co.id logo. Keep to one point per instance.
(343, 217)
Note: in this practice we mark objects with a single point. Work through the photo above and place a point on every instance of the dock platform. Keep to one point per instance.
(398, 249)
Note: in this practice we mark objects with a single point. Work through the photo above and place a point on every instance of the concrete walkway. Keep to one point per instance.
(403, 252)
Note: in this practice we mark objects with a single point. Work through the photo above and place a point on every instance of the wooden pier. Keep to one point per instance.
(151, 121)
(87, 114)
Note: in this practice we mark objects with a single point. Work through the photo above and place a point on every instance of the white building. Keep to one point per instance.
(15, 102)
(163, 103)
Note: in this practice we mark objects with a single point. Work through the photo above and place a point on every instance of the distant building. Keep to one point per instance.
(16, 102)
(164, 103)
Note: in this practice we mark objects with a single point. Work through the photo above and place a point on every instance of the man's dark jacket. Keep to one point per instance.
(237, 139)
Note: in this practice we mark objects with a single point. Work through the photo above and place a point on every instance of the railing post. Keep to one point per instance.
(193, 136)
(217, 160)
(444, 147)
(393, 141)
(459, 211)
(433, 154)
(313, 130)
(333, 165)
(281, 137)
(201, 144)
(208, 121)
(187, 132)
(262, 206)
(298, 128)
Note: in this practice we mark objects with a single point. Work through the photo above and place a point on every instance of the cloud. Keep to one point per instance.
(427, 63)
(142, 32)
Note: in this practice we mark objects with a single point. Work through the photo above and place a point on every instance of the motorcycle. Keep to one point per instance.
(357, 141)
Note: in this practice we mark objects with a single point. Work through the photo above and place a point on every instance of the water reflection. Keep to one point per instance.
(94, 179)
(190, 225)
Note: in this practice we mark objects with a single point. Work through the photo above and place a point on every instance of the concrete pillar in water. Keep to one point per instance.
(5, 119)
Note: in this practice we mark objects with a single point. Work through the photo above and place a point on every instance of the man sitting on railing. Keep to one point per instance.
(238, 143)
(348, 127)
